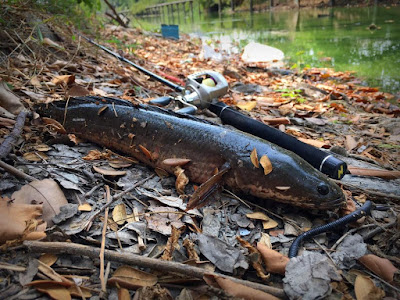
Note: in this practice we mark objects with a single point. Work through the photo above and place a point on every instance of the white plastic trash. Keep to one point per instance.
(256, 52)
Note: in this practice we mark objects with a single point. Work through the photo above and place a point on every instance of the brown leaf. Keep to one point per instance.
(109, 172)
(254, 158)
(350, 143)
(146, 152)
(35, 82)
(181, 180)
(119, 214)
(96, 154)
(14, 218)
(132, 278)
(380, 266)
(365, 288)
(51, 43)
(174, 162)
(248, 106)
(75, 292)
(270, 224)
(35, 156)
(8, 100)
(44, 191)
(315, 143)
(74, 139)
(258, 216)
(266, 164)
(63, 79)
(48, 259)
(77, 91)
(118, 163)
(56, 290)
(273, 260)
(85, 207)
(54, 125)
(102, 109)
(237, 289)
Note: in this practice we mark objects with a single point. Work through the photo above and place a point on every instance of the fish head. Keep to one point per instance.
(292, 180)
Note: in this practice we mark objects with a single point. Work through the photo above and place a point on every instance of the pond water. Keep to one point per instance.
(339, 37)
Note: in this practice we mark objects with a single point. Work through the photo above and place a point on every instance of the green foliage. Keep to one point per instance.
(292, 94)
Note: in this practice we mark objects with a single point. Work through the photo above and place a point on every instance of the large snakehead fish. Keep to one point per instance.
(153, 135)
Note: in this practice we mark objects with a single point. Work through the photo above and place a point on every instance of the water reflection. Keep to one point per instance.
(309, 36)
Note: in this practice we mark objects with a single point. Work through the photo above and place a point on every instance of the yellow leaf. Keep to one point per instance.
(35, 156)
(247, 105)
(365, 288)
(258, 216)
(119, 214)
(85, 207)
(254, 158)
(48, 259)
(266, 164)
(270, 224)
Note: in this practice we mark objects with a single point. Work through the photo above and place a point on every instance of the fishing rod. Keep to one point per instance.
(203, 89)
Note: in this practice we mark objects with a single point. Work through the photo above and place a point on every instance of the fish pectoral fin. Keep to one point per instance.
(201, 196)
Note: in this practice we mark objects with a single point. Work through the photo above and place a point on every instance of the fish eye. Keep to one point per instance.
(323, 189)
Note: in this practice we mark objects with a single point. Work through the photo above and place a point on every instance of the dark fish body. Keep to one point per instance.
(133, 129)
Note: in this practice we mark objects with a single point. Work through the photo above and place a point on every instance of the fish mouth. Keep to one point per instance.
(336, 203)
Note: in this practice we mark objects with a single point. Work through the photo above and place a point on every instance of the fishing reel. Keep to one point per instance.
(200, 90)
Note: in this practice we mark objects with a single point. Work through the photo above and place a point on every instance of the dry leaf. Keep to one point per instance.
(254, 158)
(42, 148)
(54, 125)
(365, 288)
(181, 180)
(51, 43)
(283, 188)
(380, 266)
(350, 143)
(35, 82)
(385, 174)
(266, 164)
(174, 162)
(63, 79)
(48, 259)
(85, 207)
(266, 240)
(77, 91)
(73, 138)
(123, 294)
(269, 224)
(258, 216)
(35, 156)
(118, 163)
(119, 214)
(56, 290)
(146, 152)
(96, 154)
(75, 292)
(109, 172)
(236, 289)
(248, 106)
(315, 143)
(14, 218)
(132, 278)
(273, 260)
(46, 192)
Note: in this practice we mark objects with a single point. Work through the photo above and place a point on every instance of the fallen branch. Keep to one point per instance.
(16, 172)
(141, 261)
(10, 140)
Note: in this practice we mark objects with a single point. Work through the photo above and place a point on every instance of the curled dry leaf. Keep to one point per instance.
(109, 172)
(254, 158)
(132, 278)
(181, 180)
(365, 288)
(96, 154)
(273, 260)
(266, 164)
(255, 258)
(146, 152)
(266, 240)
(119, 214)
(63, 79)
(14, 218)
(237, 289)
(118, 163)
(48, 259)
(54, 125)
(46, 192)
(174, 162)
(380, 266)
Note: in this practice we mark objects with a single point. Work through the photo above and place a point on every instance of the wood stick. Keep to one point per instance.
(141, 261)
(6, 146)
(14, 171)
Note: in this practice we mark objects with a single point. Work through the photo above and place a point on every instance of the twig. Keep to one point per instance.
(377, 230)
(9, 141)
(348, 233)
(370, 192)
(103, 242)
(142, 261)
(383, 281)
(113, 199)
(14, 171)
